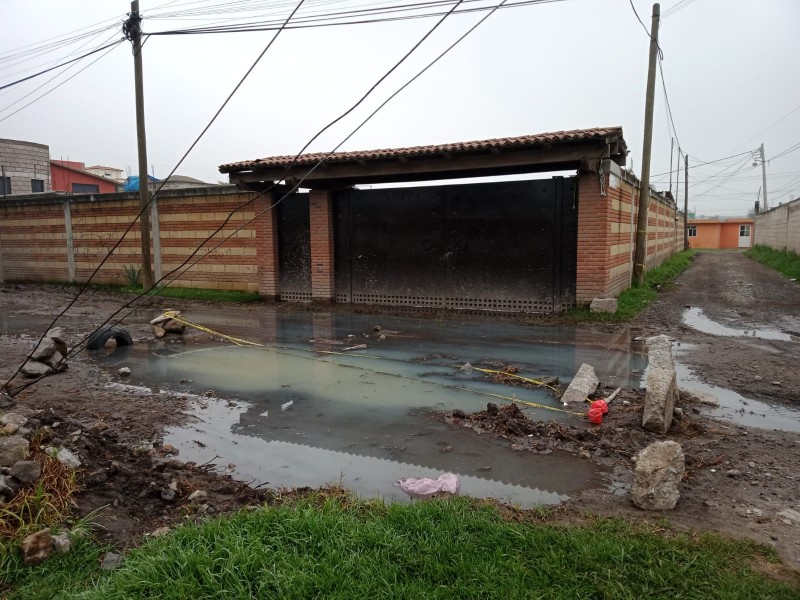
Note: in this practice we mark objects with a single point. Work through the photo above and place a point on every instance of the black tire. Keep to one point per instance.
(99, 338)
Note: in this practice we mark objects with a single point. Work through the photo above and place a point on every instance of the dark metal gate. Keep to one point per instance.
(294, 248)
(509, 246)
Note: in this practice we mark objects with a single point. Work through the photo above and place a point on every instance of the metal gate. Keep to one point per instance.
(294, 249)
(509, 246)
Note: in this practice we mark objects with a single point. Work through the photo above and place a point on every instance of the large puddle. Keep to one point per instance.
(363, 418)
(696, 319)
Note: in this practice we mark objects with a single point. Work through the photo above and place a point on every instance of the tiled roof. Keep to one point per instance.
(575, 135)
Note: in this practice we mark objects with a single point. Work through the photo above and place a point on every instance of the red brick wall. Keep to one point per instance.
(606, 228)
(266, 229)
(33, 249)
(321, 221)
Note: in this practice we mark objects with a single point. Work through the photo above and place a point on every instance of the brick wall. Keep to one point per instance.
(779, 227)
(322, 268)
(606, 232)
(24, 161)
(93, 224)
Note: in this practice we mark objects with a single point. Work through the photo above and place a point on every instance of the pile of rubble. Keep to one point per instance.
(166, 323)
(49, 356)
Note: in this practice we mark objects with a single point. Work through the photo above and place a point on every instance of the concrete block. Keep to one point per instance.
(584, 383)
(604, 305)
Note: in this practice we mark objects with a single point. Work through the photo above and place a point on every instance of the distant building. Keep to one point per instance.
(107, 172)
(720, 233)
(177, 182)
(24, 167)
(72, 177)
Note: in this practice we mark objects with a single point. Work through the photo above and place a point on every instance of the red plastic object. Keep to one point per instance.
(595, 415)
(601, 404)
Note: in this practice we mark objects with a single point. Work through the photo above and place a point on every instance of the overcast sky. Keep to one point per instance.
(731, 70)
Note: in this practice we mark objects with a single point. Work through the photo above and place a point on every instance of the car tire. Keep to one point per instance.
(98, 339)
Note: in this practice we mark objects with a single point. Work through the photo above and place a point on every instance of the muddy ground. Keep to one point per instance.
(126, 469)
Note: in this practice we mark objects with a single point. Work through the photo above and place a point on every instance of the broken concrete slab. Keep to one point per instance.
(583, 384)
(44, 349)
(34, 368)
(603, 305)
(165, 316)
(661, 386)
(57, 335)
(158, 331)
(657, 476)
(696, 396)
(173, 326)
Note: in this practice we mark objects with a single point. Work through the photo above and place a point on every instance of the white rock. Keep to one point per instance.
(67, 457)
(789, 514)
(603, 305)
(584, 383)
(124, 371)
(197, 495)
(657, 477)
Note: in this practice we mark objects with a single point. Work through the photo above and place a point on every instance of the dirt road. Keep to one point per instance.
(739, 294)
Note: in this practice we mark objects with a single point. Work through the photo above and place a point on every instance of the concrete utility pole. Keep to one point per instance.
(644, 195)
(764, 176)
(686, 204)
(134, 33)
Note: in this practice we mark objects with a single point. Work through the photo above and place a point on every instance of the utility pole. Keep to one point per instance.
(644, 195)
(686, 204)
(764, 176)
(133, 30)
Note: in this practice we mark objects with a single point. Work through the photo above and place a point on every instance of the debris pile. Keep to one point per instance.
(167, 323)
(49, 356)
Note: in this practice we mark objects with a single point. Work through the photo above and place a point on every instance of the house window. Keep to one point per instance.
(744, 230)
(37, 185)
(692, 230)
(5, 185)
(85, 188)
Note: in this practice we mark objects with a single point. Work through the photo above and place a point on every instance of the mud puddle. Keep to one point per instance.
(696, 319)
(738, 409)
(363, 418)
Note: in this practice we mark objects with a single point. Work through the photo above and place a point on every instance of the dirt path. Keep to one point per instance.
(739, 478)
(739, 293)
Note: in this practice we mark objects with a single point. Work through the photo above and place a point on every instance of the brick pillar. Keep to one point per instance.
(320, 203)
(267, 261)
(594, 247)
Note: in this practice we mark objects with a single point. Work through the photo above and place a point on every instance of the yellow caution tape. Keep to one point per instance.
(238, 341)
(242, 342)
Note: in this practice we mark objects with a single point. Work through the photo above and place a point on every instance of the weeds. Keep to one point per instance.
(635, 299)
(41, 504)
(132, 273)
(783, 261)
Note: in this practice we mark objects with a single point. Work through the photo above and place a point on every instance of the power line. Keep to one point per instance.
(2, 110)
(29, 77)
(709, 162)
(333, 20)
(679, 6)
(144, 296)
(146, 206)
(785, 152)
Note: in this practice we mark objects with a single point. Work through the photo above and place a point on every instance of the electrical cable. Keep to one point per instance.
(2, 110)
(147, 295)
(147, 205)
(29, 77)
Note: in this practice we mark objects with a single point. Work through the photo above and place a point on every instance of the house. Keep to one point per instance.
(107, 172)
(24, 167)
(720, 233)
(72, 177)
(539, 244)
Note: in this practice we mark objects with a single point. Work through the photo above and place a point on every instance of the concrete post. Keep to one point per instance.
(322, 268)
(155, 232)
(267, 256)
(70, 242)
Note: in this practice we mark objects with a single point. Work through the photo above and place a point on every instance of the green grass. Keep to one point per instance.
(189, 293)
(338, 547)
(783, 261)
(635, 299)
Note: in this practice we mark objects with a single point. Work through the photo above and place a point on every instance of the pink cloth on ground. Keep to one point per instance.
(422, 487)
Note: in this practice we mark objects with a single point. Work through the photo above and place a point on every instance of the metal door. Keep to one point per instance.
(507, 246)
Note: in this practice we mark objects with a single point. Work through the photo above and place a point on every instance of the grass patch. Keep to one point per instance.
(339, 547)
(237, 296)
(783, 261)
(635, 299)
